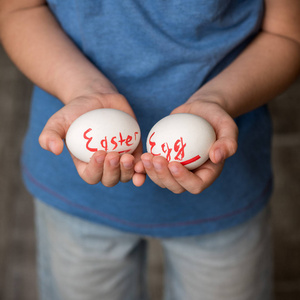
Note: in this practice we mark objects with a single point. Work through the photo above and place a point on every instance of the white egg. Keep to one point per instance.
(102, 129)
(185, 138)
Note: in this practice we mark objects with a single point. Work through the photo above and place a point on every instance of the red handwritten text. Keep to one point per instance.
(111, 143)
(89, 139)
(175, 151)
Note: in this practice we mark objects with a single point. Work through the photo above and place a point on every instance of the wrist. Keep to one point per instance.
(90, 87)
(213, 97)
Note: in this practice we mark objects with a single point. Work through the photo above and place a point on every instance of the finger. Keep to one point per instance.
(127, 167)
(91, 172)
(138, 179)
(157, 170)
(164, 175)
(150, 170)
(198, 180)
(112, 172)
(51, 137)
(208, 173)
(139, 176)
(139, 167)
(226, 143)
(222, 149)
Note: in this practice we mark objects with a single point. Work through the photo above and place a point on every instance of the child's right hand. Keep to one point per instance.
(54, 63)
(107, 168)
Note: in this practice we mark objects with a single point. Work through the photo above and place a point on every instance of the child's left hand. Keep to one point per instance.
(175, 176)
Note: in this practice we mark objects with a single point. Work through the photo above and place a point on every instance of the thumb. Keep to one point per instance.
(51, 138)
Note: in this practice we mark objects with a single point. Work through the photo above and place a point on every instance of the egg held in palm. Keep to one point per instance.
(104, 129)
(183, 137)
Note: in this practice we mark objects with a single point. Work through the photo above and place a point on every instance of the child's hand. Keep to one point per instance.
(106, 168)
(175, 176)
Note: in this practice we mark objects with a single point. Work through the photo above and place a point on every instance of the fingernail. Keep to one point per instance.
(100, 159)
(219, 156)
(147, 163)
(157, 166)
(52, 146)
(114, 162)
(128, 165)
(174, 169)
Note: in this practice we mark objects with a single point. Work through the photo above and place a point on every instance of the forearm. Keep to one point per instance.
(42, 51)
(265, 69)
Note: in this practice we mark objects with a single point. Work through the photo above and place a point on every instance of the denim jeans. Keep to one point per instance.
(80, 260)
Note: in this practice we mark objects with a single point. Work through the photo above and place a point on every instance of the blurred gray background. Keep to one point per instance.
(17, 241)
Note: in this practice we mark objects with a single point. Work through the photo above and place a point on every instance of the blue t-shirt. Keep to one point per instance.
(157, 53)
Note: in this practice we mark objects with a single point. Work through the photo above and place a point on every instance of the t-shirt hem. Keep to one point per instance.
(159, 230)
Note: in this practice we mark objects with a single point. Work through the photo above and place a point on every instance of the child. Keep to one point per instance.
(222, 60)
